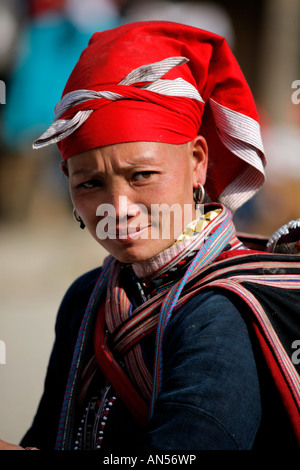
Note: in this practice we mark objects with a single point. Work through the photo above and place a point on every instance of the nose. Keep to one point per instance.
(120, 204)
(125, 207)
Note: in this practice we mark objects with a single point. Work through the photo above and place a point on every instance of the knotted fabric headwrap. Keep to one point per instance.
(164, 82)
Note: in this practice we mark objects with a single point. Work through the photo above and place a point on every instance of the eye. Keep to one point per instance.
(142, 175)
(91, 184)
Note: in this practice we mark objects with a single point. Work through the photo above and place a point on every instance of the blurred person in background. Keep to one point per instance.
(50, 37)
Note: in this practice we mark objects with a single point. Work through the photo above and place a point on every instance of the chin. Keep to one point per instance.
(134, 256)
(137, 252)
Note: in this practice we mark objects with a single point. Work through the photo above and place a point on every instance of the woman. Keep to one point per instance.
(158, 348)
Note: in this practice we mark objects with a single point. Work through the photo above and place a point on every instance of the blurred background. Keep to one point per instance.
(42, 249)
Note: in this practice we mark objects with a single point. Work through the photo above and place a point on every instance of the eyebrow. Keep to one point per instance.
(141, 160)
(86, 173)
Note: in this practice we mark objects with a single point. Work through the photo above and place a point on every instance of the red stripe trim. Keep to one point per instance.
(233, 253)
(281, 384)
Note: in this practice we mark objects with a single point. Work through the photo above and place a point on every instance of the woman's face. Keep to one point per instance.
(136, 198)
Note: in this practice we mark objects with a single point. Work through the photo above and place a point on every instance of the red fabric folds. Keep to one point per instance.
(220, 106)
(146, 118)
(143, 115)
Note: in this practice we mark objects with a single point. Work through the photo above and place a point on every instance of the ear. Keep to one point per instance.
(199, 151)
(64, 168)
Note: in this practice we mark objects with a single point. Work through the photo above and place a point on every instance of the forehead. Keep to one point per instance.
(127, 154)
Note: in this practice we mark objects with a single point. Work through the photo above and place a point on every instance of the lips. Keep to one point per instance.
(130, 233)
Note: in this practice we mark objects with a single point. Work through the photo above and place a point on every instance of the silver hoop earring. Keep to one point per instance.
(199, 194)
(78, 219)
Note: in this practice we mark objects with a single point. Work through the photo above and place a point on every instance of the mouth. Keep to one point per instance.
(130, 233)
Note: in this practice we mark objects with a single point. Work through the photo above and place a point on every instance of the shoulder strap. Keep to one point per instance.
(260, 280)
(115, 374)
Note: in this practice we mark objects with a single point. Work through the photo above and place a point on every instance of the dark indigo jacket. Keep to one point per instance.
(215, 394)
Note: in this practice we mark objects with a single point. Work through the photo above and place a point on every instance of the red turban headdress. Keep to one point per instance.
(164, 82)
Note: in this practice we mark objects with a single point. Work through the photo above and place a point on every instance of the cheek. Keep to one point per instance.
(180, 187)
(175, 186)
(85, 206)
